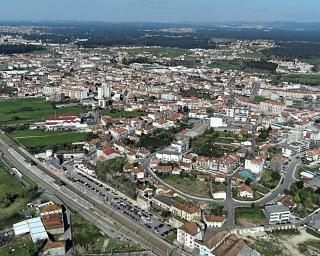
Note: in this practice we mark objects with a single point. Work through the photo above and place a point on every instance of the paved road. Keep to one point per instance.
(146, 165)
(230, 204)
(100, 215)
(287, 180)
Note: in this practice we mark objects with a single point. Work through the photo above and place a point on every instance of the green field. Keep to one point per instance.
(20, 197)
(302, 78)
(22, 246)
(121, 113)
(34, 138)
(29, 110)
(249, 215)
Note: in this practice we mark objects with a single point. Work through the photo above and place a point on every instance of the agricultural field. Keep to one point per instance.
(35, 138)
(19, 111)
(307, 79)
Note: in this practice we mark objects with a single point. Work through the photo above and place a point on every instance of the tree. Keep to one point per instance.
(248, 181)
(296, 198)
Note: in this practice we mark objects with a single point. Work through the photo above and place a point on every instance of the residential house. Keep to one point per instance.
(188, 233)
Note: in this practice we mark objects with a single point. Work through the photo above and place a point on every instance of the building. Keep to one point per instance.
(53, 224)
(245, 191)
(272, 106)
(276, 163)
(277, 214)
(167, 155)
(56, 248)
(216, 122)
(214, 221)
(49, 208)
(187, 212)
(64, 122)
(255, 165)
(294, 136)
(188, 233)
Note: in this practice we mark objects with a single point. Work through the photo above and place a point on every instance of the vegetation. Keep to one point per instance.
(306, 79)
(266, 248)
(264, 134)
(19, 48)
(22, 246)
(247, 66)
(259, 98)
(13, 199)
(285, 232)
(249, 215)
(270, 179)
(215, 143)
(38, 138)
(109, 168)
(87, 238)
(188, 184)
(159, 138)
(30, 110)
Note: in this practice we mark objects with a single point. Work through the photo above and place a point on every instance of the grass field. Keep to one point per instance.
(302, 78)
(121, 114)
(8, 184)
(189, 185)
(249, 215)
(34, 138)
(28, 110)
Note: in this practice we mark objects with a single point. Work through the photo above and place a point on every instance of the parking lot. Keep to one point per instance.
(119, 203)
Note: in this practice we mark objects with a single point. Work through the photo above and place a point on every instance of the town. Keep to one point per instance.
(208, 151)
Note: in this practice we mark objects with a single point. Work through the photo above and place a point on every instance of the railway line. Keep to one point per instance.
(94, 210)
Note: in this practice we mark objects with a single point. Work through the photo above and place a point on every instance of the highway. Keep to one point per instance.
(100, 214)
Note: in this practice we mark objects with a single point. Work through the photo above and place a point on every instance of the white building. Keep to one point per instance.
(214, 221)
(277, 214)
(254, 165)
(217, 122)
(188, 233)
(169, 156)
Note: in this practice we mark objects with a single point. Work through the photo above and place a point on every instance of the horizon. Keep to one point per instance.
(162, 11)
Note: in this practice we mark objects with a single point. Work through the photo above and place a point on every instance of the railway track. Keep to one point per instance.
(100, 212)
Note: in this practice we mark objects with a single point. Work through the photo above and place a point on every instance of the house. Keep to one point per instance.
(49, 208)
(56, 248)
(276, 163)
(162, 202)
(277, 214)
(106, 153)
(64, 122)
(245, 191)
(187, 212)
(143, 202)
(272, 106)
(118, 133)
(214, 221)
(53, 223)
(169, 156)
(138, 174)
(226, 244)
(188, 233)
(255, 165)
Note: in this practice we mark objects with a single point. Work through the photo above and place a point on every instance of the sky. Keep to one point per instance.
(162, 10)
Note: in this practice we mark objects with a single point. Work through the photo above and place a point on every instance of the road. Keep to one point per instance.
(101, 215)
(146, 165)
(230, 203)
